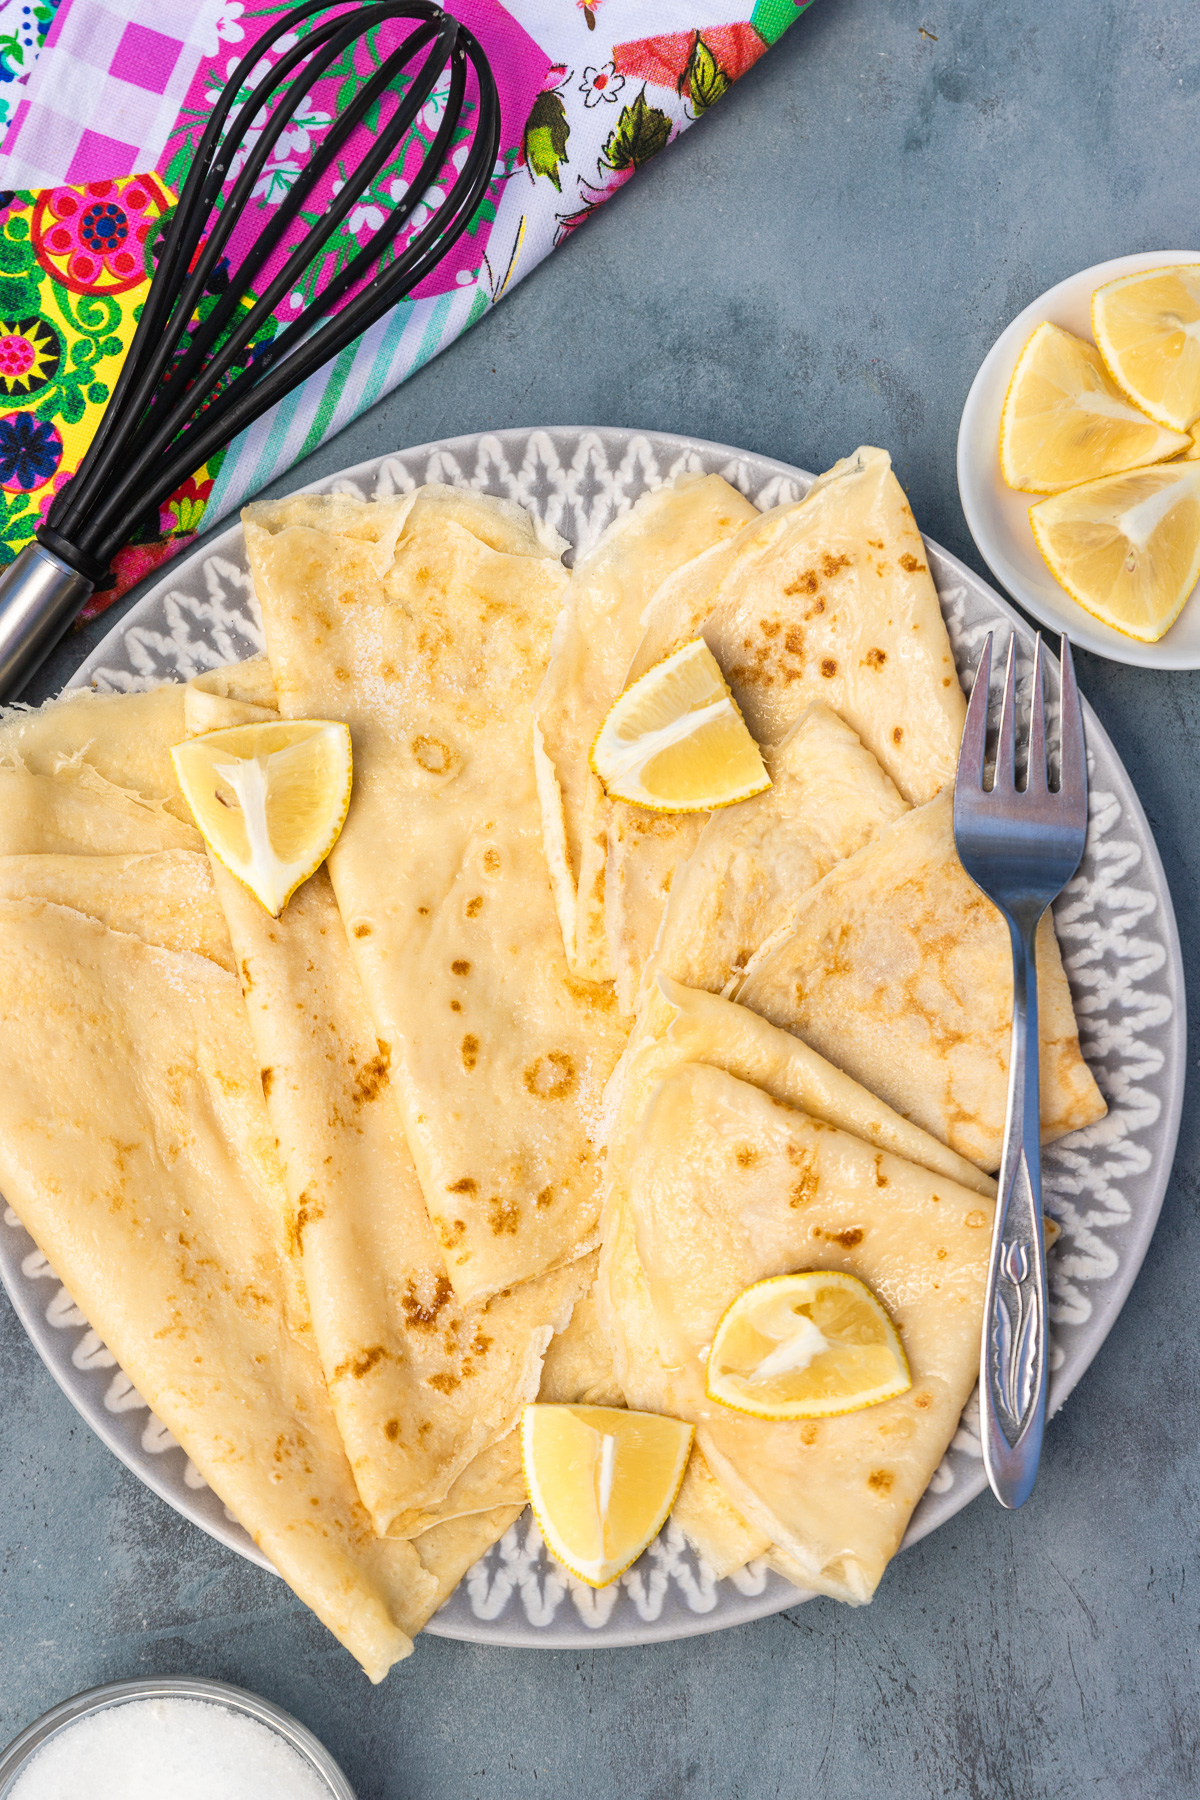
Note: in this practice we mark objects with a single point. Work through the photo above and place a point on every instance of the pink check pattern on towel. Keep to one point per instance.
(109, 85)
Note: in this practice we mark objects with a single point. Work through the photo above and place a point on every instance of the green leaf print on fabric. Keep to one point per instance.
(704, 77)
(640, 133)
(546, 137)
(771, 18)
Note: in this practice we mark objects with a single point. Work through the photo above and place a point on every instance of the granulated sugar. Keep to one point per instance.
(168, 1750)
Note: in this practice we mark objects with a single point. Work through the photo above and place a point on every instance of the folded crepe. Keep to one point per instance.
(898, 969)
(429, 640)
(594, 640)
(764, 1190)
(420, 1385)
(828, 600)
(754, 861)
(135, 1148)
(689, 1027)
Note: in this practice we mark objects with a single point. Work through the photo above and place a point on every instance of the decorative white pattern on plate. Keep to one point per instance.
(1104, 1185)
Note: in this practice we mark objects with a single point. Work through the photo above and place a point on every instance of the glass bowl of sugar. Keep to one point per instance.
(175, 1737)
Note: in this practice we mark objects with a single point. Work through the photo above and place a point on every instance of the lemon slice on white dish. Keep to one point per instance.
(601, 1482)
(675, 740)
(1127, 547)
(998, 517)
(1147, 328)
(806, 1346)
(1066, 421)
(270, 799)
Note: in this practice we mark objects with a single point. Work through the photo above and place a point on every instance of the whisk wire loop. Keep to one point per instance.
(181, 393)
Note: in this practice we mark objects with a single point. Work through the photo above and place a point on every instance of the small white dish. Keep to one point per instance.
(998, 517)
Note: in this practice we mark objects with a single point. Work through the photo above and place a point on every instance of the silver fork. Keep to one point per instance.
(1021, 846)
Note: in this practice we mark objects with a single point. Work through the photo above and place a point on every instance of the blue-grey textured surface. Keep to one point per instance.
(822, 262)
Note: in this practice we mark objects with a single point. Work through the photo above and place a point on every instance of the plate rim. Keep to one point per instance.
(578, 1636)
(980, 421)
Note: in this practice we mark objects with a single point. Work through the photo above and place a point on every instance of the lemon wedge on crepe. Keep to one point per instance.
(270, 799)
(1065, 420)
(676, 742)
(1126, 547)
(806, 1346)
(601, 1482)
(1147, 328)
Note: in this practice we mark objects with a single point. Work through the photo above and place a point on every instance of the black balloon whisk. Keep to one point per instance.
(192, 380)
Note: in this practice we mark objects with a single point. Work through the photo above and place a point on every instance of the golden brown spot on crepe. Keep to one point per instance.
(746, 1156)
(852, 1235)
(470, 1051)
(464, 1185)
(881, 1179)
(595, 993)
(358, 1366)
(450, 1236)
(247, 979)
(911, 563)
(545, 1198)
(266, 1076)
(828, 667)
(875, 543)
(831, 564)
(922, 1399)
(975, 1220)
(551, 1077)
(804, 1188)
(424, 911)
(897, 734)
(875, 659)
(423, 1314)
(372, 1078)
(491, 861)
(941, 1253)
(506, 1217)
(475, 906)
(770, 627)
(803, 584)
(480, 1343)
(459, 967)
(432, 755)
(445, 1384)
(362, 929)
(880, 1481)
(341, 674)
(391, 1430)
(945, 681)
(308, 1211)
(456, 1006)
(810, 1431)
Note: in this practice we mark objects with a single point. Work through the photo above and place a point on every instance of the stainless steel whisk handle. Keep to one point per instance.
(39, 597)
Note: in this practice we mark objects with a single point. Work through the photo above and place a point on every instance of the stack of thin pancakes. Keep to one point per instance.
(333, 1187)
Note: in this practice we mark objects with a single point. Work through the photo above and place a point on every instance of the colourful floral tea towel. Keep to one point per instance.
(590, 90)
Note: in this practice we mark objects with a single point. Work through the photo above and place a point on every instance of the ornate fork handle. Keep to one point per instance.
(1012, 1395)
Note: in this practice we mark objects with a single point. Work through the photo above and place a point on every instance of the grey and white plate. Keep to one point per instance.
(1104, 1185)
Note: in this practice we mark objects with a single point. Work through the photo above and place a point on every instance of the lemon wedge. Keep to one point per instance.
(1126, 547)
(601, 1482)
(270, 799)
(676, 742)
(1065, 421)
(1147, 327)
(806, 1346)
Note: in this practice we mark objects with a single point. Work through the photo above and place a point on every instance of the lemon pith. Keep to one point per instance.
(675, 740)
(1065, 421)
(1126, 547)
(806, 1346)
(601, 1482)
(269, 799)
(1147, 329)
